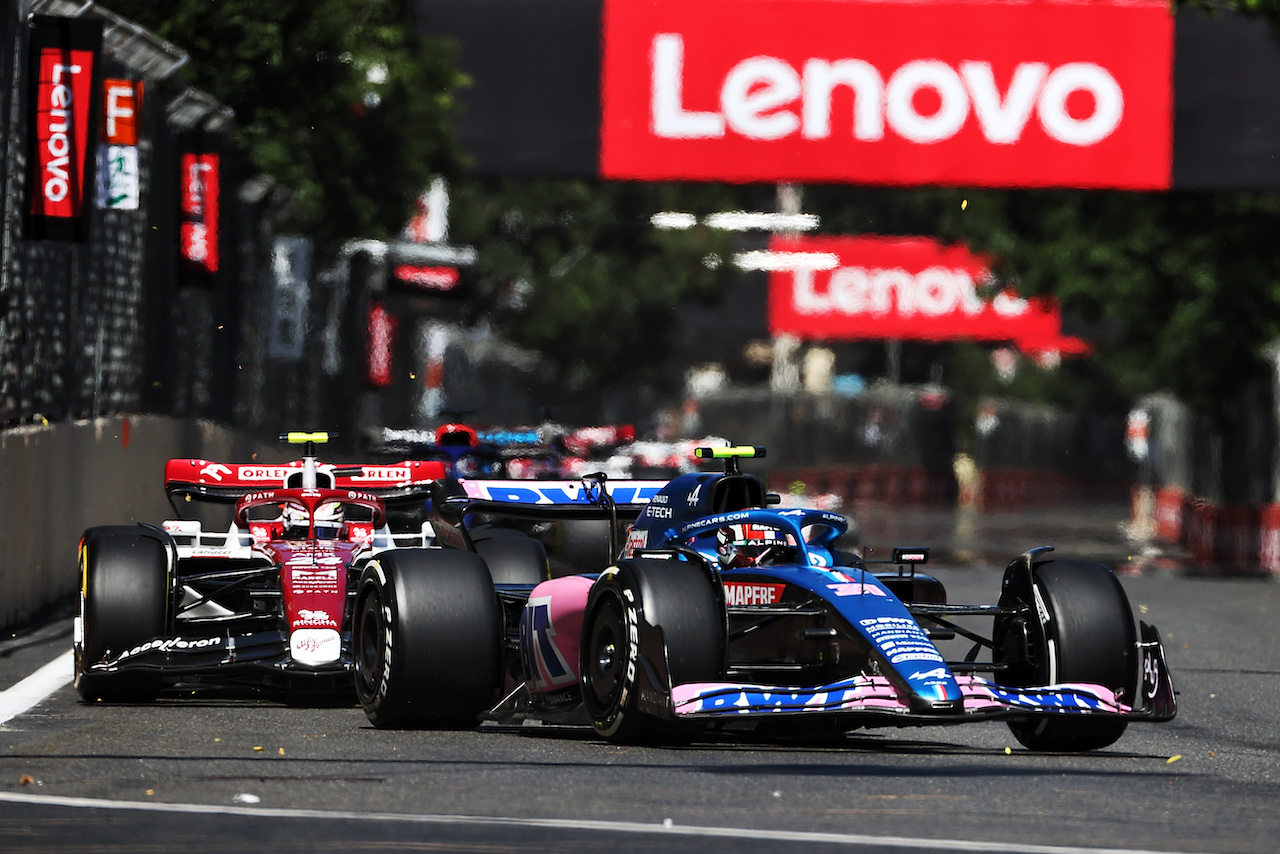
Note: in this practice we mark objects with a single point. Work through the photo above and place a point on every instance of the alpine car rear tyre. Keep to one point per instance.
(124, 602)
(516, 559)
(427, 638)
(678, 598)
(1080, 629)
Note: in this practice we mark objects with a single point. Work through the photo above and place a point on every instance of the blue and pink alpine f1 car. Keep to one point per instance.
(722, 609)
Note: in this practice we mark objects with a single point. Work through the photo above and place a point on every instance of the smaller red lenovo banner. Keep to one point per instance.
(1056, 93)
(380, 346)
(429, 279)
(909, 288)
(64, 56)
(198, 232)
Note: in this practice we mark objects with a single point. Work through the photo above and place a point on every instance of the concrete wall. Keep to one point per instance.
(57, 480)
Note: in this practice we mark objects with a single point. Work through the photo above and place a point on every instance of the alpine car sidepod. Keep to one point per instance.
(724, 610)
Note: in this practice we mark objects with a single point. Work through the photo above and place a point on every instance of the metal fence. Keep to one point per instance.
(83, 325)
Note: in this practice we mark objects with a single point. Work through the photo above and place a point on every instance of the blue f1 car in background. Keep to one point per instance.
(724, 610)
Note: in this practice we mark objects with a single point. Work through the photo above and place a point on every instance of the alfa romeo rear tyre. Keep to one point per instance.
(427, 638)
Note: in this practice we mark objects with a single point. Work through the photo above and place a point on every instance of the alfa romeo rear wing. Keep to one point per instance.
(225, 482)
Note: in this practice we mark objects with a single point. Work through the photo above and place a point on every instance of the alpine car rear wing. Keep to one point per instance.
(592, 497)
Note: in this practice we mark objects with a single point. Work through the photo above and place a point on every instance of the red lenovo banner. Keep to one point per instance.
(1074, 93)
(64, 59)
(198, 232)
(911, 288)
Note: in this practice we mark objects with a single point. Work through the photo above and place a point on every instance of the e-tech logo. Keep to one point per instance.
(1069, 93)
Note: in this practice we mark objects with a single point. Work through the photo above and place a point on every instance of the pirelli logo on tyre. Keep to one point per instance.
(1070, 93)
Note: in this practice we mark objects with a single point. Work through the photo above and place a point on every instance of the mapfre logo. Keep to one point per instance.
(990, 93)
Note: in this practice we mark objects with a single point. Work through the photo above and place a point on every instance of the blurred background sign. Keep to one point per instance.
(1098, 94)
(971, 92)
(907, 288)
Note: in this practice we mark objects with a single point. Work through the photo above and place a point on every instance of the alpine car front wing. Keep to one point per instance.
(875, 701)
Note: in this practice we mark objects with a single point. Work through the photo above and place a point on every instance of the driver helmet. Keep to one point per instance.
(328, 520)
(753, 545)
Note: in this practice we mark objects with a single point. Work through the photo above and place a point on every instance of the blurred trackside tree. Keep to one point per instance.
(1178, 291)
(340, 102)
(574, 270)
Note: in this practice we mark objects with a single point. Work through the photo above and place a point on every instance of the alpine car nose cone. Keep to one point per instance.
(315, 646)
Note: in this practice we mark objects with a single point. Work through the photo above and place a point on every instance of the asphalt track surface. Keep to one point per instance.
(218, 772)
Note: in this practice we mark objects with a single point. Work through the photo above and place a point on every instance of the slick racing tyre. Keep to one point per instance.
(678, 598)
(1079, 628)
(427, 638)
(124, 601)
(513, 558)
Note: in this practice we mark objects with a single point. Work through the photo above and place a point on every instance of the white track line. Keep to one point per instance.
(36, 687)
(786, 836)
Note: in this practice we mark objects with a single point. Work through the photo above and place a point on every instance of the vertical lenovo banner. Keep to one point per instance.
(907, 288)
(1074, 93)
(64, 66)
(198, 184)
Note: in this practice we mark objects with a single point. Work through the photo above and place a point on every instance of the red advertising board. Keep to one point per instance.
(198, 232)
(121, 107)
(910, 288)
(437, 279)
(380, 346)
(64, 68)
(992, 93)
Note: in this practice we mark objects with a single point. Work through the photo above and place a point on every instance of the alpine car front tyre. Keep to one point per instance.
(1080, 629)
(625, 604)
(124, 602)
(427, 639)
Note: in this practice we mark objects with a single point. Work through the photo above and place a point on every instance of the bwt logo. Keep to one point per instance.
(756, 95)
